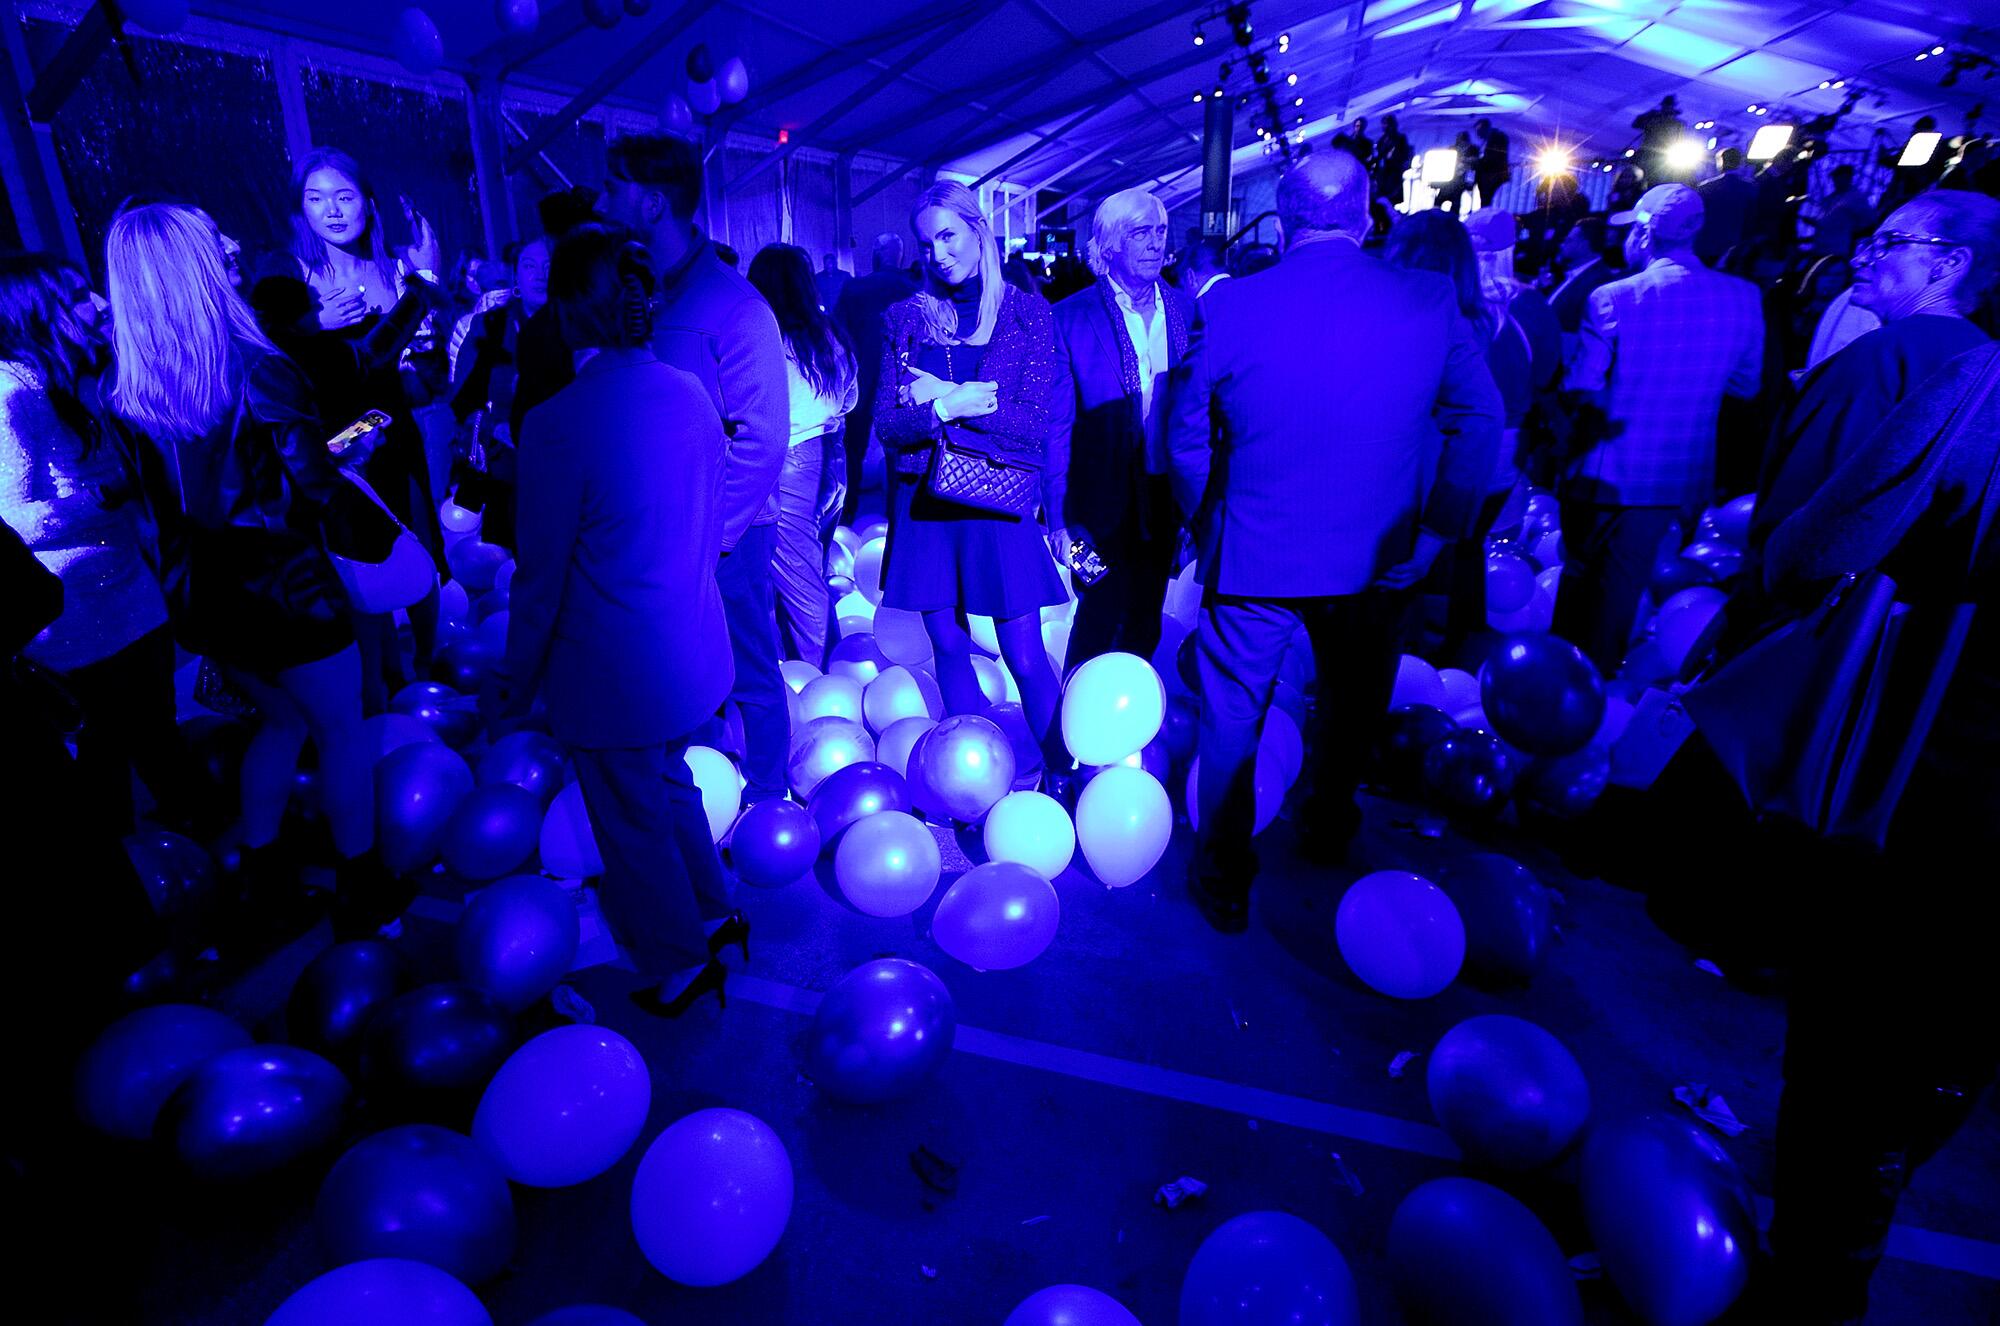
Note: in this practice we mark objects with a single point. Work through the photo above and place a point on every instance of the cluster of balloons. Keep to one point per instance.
(710, 87)
(1524, 569)
(1687, 594)
(1535, 726)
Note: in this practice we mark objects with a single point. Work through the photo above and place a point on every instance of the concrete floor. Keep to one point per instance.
(1141, 1047)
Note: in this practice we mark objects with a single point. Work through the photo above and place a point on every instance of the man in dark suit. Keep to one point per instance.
(710, 321)
(859, 312)
(1584, 261)
(1105, 480)
(617, 618)
(1321, 495)
(1725, 207)
(1391, 159)
(1492, 168)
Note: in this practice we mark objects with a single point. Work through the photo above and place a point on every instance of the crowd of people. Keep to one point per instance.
(667, 445)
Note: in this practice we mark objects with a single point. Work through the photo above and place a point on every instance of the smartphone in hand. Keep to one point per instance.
(340, 443)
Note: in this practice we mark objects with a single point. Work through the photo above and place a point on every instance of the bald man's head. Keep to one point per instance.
(1328, 191)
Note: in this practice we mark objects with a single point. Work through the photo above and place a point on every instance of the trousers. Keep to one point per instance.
(745, 580)
(1612, 552)
(1122, 610)
(662, 878)
(1241, 643)
(799, 563)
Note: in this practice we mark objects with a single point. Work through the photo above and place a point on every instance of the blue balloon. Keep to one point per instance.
(1506, 913)
(847, 796)
(565, 1107)
(1672, 1217)
(775, 843)
(338, 991)
(178, 873)
(493, 832)
(391, 1291)
(1012, 720)
(417, 44)
(1268, 1268)
(140, 1060)
(431, 1051)
(517, 939)
(1470, 771)
(417, 789)
(1541, 693)
(253, 1111)
(527, 759)
(1463, 1252)
(1408, 734)
(1565, 786)
(881, 1032)
(424, 1193)
(1509, 1093)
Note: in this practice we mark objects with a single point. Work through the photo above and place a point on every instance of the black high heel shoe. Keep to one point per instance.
(735, 929)
(709, 978)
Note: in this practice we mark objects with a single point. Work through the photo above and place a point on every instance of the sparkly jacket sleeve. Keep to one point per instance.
(1021, 360)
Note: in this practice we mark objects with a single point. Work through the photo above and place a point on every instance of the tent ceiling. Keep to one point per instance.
(1100, 93)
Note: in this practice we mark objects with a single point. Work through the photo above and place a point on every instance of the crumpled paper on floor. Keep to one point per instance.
(1710, 1108)
(1180, 1190)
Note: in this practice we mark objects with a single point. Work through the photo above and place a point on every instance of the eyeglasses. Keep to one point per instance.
(1877, 246)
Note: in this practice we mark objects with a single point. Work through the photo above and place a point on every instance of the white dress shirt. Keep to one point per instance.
(1149, 342)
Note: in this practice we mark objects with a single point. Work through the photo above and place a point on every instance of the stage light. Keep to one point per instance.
(1552, 161)
(1684, 154)
(1712, 141)
(1199, 38)
(1920, 149)
(1631, 152)
(1923, 55)
(1441, 165)
(1197, 96)
(1298, 101)
(1937, 50)
(1769, 141)
(1291, 80)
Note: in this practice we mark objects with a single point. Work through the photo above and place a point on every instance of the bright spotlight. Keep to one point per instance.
(1684, 154)
(1920, 149)
(1441, 165)
(1553, 161)
(1769, 141)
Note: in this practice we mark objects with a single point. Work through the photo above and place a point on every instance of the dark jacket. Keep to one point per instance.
(1097, 439)
(1325, 409)
(710, 321)
(615, 611)
(236, 524)
(860, 311)
(1021, 358)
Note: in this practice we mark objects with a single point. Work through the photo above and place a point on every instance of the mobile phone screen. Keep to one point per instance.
(354, 432)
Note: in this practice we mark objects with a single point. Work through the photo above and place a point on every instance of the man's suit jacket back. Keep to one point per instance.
(615, 608)
(1346, 401)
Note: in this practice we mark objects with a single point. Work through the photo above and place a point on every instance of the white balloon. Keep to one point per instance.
(1417, 682)
(1032, 829)
(1123, 823)
(721, 787)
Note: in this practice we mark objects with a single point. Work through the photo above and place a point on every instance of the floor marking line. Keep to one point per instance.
(1925, 1247)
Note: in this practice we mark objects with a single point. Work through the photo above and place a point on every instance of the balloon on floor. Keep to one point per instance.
(721, 788)
(451, 716)
(880, 1033)
(1505, 909)
(1408, 733)
(850, 795)
(1268, 1267)
(492, 832)
(391, 731)
(565, 1107)
(888, 864)
(964, 767)
(824, 745)
(712, 1197)
(1417, 682)
(527, 759)
(1672, 1217)
(587, 1314)
(1123, 824)
(900, 693)
(417, 790)
(177, 873)
(568, 846)
(856, 659)
(1400, 934)
(997, 916)
(139, 1061)
(517, 939)
(899, 740)
(432, 1050)
(249, 1112)
(1462, 1251)
(386, 1289)
(1032, 829)
(1542, 694)
(1112, 705)
(1070, 1305)
(775, 843)
(1470, 772)
(337, 993)
(832, 696)
(422, 1193)
(1509, 1093)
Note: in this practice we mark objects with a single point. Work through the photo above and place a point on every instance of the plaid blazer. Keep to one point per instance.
(1661, 347)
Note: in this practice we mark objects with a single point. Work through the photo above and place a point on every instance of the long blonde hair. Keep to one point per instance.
(179, 327)
(940, 318)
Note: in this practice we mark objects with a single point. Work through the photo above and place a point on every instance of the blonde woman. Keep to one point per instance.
(972, 359)
(236, 484)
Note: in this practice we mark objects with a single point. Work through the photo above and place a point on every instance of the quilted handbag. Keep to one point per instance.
(990, 483)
